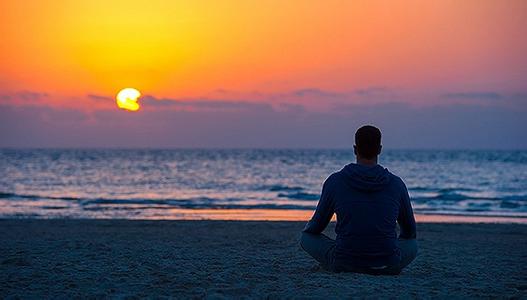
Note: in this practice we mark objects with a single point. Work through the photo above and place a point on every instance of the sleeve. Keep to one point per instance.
(406, 217)
(324, 211)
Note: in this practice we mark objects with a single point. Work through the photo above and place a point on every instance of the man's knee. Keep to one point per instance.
(304, 237)
(412, 248)
(311, 242)
(408, 251)
(408, 246)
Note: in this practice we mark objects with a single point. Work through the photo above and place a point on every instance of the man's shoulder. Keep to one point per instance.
(334, 178)
(396, 180)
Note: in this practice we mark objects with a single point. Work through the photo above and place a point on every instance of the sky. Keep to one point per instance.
(264, 74)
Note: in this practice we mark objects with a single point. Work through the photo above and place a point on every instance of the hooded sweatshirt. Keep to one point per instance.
(368, 202)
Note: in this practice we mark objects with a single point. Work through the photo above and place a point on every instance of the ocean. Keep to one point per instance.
(135, 184)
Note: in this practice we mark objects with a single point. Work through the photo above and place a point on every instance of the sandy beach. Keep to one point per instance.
(226, 259)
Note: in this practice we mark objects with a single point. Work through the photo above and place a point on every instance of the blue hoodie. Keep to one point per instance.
(368, 201)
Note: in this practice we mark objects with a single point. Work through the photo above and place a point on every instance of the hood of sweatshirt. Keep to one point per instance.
(366, 178)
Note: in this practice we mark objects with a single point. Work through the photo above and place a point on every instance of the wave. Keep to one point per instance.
(300, 196)
(36, 197)
(141, 203)
(102, 201)
(441, 190)
(198, 206)
(442, 203)
(462, 197)
(283, 188)
(294, 195)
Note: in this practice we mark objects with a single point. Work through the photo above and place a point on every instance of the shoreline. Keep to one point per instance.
(291, 215)
(67, 258)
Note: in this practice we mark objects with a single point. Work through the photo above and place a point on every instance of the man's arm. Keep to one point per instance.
(406, 217)
(324, 211)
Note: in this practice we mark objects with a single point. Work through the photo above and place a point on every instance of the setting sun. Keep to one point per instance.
(127, 99)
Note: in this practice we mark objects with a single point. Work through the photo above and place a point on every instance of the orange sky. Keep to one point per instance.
(193, 48)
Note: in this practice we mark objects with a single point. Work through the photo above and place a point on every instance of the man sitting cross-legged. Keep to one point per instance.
(368, 201)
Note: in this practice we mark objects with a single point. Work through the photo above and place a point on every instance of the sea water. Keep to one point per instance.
(121, 183)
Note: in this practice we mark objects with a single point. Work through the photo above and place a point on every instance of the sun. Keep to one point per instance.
(127, 99)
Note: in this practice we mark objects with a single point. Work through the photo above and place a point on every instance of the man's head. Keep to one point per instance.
(367, 142)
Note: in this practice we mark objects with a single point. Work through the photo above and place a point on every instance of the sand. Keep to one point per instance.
(235, 259)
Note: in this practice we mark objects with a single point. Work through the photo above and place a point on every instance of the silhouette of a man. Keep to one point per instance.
(368, 201)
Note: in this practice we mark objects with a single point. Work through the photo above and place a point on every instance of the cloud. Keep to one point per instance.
(315, 92)
(230, 93)
(371, 91)
(31, 96)
(152, 102)
(204, 104)
(99, 97)
(227, 123)
(320, 93)
(371, 108)
(23, 97)
(297, 100)
(290, 107)
(403, 126)
(473, 95)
